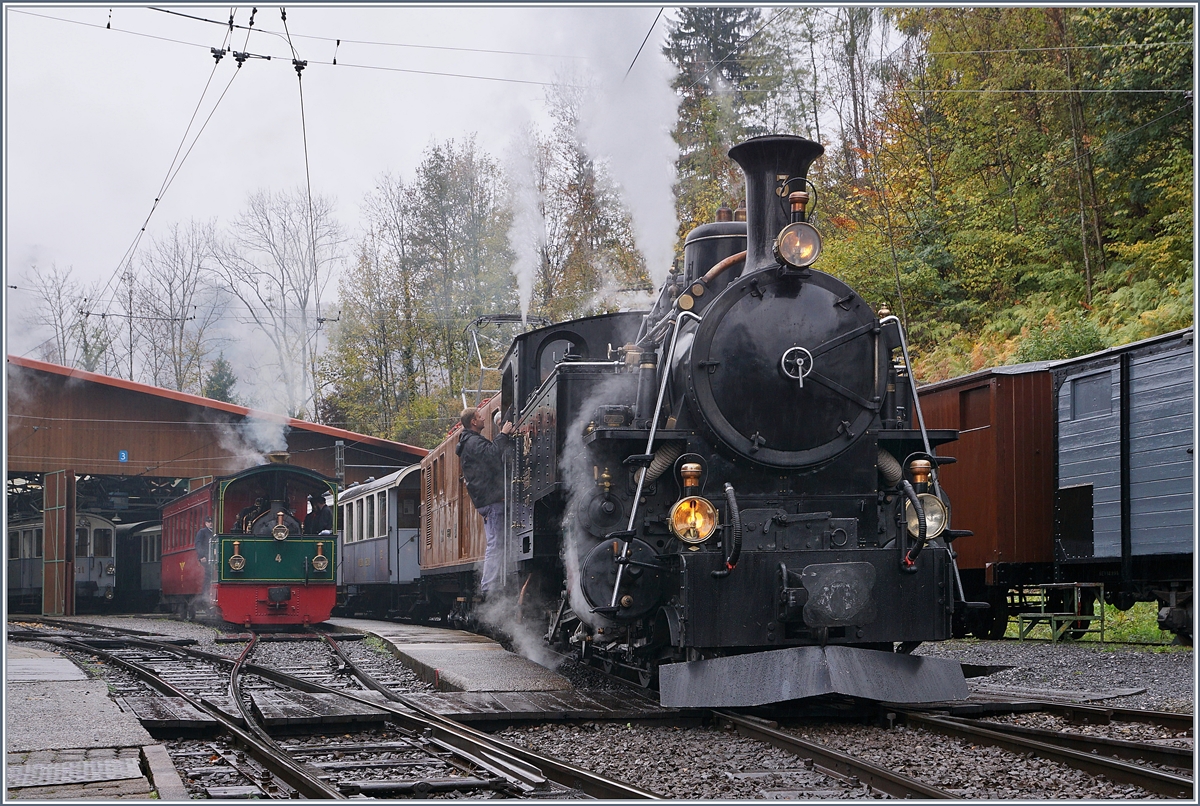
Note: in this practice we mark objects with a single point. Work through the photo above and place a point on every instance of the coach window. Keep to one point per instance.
(359, 534)
(26, 543)
(37, 542)
(369, 519)
(102, 543)
(82, 544)
(381, 512)
(14, 545)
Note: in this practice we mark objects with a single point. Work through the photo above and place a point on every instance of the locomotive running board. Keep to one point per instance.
(778, 675)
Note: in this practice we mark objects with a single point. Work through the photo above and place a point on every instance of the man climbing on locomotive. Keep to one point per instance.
(483, 471)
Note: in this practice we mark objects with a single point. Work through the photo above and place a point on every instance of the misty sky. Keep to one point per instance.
(94, 115)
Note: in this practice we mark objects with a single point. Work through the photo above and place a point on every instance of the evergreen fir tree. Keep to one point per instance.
(220, 381)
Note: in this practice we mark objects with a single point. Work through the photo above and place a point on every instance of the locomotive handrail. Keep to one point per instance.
(662, 391)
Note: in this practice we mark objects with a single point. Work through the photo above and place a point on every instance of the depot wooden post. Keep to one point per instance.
(58, 548)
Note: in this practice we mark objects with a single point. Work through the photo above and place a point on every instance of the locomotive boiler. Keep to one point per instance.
(730, 494)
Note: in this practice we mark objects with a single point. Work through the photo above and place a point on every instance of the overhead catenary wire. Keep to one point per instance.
(344, 40)
(644, 41)
(176, 162)
(442, 73)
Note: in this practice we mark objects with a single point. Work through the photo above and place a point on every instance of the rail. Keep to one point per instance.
(834, 763)
(1152, 780)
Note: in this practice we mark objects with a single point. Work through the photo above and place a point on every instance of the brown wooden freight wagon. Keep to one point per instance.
(1002, 486)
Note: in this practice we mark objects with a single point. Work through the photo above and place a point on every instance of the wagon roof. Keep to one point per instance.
(1124, 348)
(978, 375)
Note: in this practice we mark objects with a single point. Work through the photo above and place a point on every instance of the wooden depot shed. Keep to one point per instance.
(59, 418)
(1002, 486)
(80, 441)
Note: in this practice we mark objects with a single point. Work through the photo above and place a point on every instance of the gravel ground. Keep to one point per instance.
(1168, 674)
(705, 763)
(968, 771)
(712, 763)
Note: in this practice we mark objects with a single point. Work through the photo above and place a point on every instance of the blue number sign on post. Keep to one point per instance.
(123, 456)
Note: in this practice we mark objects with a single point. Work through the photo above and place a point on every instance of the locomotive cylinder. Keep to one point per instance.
(768, 163)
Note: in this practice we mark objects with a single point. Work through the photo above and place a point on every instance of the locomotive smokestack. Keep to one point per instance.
(770, 162)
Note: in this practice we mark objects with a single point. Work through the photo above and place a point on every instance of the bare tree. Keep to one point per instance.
(78, 337)
(178, 307)
(277, 262)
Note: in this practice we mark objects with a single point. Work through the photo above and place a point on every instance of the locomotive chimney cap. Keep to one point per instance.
(279, 457)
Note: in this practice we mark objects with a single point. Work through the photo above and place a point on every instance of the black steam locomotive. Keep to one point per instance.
(729, 492)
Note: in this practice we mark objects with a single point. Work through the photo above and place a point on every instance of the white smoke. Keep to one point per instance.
(527, 233)
(575, 470)
(627, 123)
(503, 612)
(246, 443)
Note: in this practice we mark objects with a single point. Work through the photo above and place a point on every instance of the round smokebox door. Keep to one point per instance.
(785, 370)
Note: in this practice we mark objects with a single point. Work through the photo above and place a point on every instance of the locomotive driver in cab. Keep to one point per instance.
(483, 472)
(320, 520)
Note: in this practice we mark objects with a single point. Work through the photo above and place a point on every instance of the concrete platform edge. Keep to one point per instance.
(162, 773)
(427, 673)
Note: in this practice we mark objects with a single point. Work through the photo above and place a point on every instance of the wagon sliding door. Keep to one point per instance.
(58, 560)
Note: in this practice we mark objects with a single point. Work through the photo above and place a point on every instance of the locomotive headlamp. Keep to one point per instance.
(320, 562)
(111, 570)
(798, 244)
(936, 516)
(279, 531)
(693, 519)
(237, 562)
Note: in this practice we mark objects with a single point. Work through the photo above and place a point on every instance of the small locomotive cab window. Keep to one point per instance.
(14, 545)
(1091, 396)
(82, 544)
(506, 390)
(553, 353)
(102, 542)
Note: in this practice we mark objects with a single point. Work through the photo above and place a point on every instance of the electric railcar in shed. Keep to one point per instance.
(93, 555)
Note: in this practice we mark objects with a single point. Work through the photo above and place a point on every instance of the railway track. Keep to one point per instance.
(374, 761)
(1094, 755)
(469, 761)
